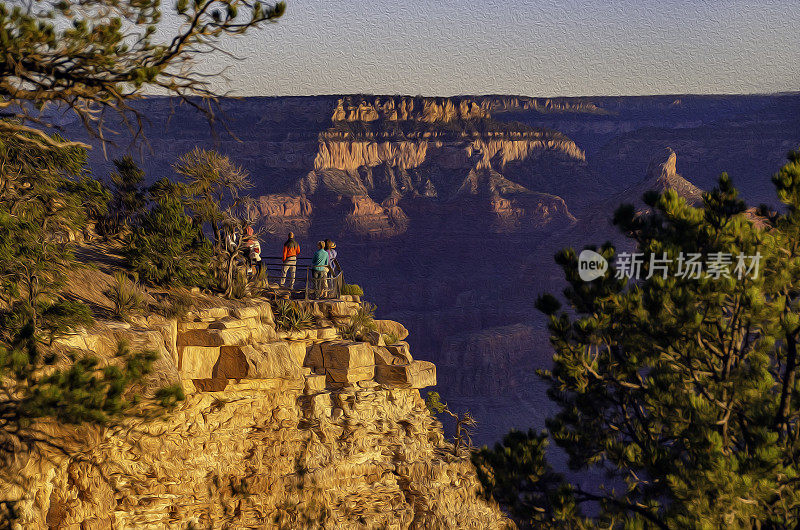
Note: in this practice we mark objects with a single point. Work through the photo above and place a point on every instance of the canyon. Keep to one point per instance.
(448, 210)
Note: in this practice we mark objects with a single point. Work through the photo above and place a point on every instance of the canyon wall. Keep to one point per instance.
(279, 429)
(448, 211)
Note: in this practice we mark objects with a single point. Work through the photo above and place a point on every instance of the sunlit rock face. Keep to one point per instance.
(279, 429)
(282, 213)
(384, 162)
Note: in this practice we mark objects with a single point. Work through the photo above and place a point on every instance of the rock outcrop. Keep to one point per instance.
(662, 175)
(595, 225)
(426, 110)
(283, 213)
(279, 429)
(391, 158)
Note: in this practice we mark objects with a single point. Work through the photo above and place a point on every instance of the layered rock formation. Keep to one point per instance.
(279, 430)
(596, 227)
(384, 160)
(469, 259)
(286, 213)
(427, 110)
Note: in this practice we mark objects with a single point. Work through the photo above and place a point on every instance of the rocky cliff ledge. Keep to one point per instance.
(278, 430)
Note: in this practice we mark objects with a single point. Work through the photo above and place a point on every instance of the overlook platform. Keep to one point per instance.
(304, 286)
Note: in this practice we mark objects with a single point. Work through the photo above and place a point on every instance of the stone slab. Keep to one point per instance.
(350, 375)
(402, 350)
(314, 383)
(390, 326)
(273, 360)
(418, 374)
(197, 362)
(346, 355)
(234, 323)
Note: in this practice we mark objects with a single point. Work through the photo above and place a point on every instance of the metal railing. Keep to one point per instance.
(278, 277)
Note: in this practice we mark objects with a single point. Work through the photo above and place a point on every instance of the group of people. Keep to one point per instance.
(325, 267)
(250, 251)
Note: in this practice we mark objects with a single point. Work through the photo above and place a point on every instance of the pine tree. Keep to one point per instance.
(45, 194)
(38, 212)
(97, 55)
(128, 195)
(683, 390)
(517, 475)
(167, 247)
(212, 186)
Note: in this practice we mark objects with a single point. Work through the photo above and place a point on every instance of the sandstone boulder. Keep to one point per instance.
(342, 309)
(418, 374)
(346, 355)
(382, 356)
(350, 375)
(387, 327)
(197, 362)
(402, 350)
(274, 360)
(314, 383)
(233, 336)
(375, 338)
(313, 358)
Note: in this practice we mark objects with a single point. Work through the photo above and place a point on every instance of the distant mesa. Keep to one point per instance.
(392, 164)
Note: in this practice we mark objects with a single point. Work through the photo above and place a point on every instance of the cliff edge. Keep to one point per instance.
(279, 429)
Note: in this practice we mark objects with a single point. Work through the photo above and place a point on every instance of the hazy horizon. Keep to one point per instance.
(500, 94)
(542, 48)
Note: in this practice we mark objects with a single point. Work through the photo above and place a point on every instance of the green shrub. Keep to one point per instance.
(167, 248)
(465, 422)
(361, 323)
(352, 290)
(127, 296)
(291, 316)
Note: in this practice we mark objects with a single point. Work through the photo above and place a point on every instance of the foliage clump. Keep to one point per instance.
(126, 295)
(683, 389)
(45, 198)
(360, 323)
(352, 289)
(465, 422)
(291, 316)
(167, 247)
(517, 475)
(128, 196)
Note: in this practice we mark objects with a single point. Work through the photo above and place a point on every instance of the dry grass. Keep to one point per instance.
(101, 260)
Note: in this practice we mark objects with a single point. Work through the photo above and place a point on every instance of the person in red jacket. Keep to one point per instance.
(290, 251)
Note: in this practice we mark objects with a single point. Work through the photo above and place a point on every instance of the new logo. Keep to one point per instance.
(591, 265)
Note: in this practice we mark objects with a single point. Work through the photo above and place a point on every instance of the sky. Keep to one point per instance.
(534, 48)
